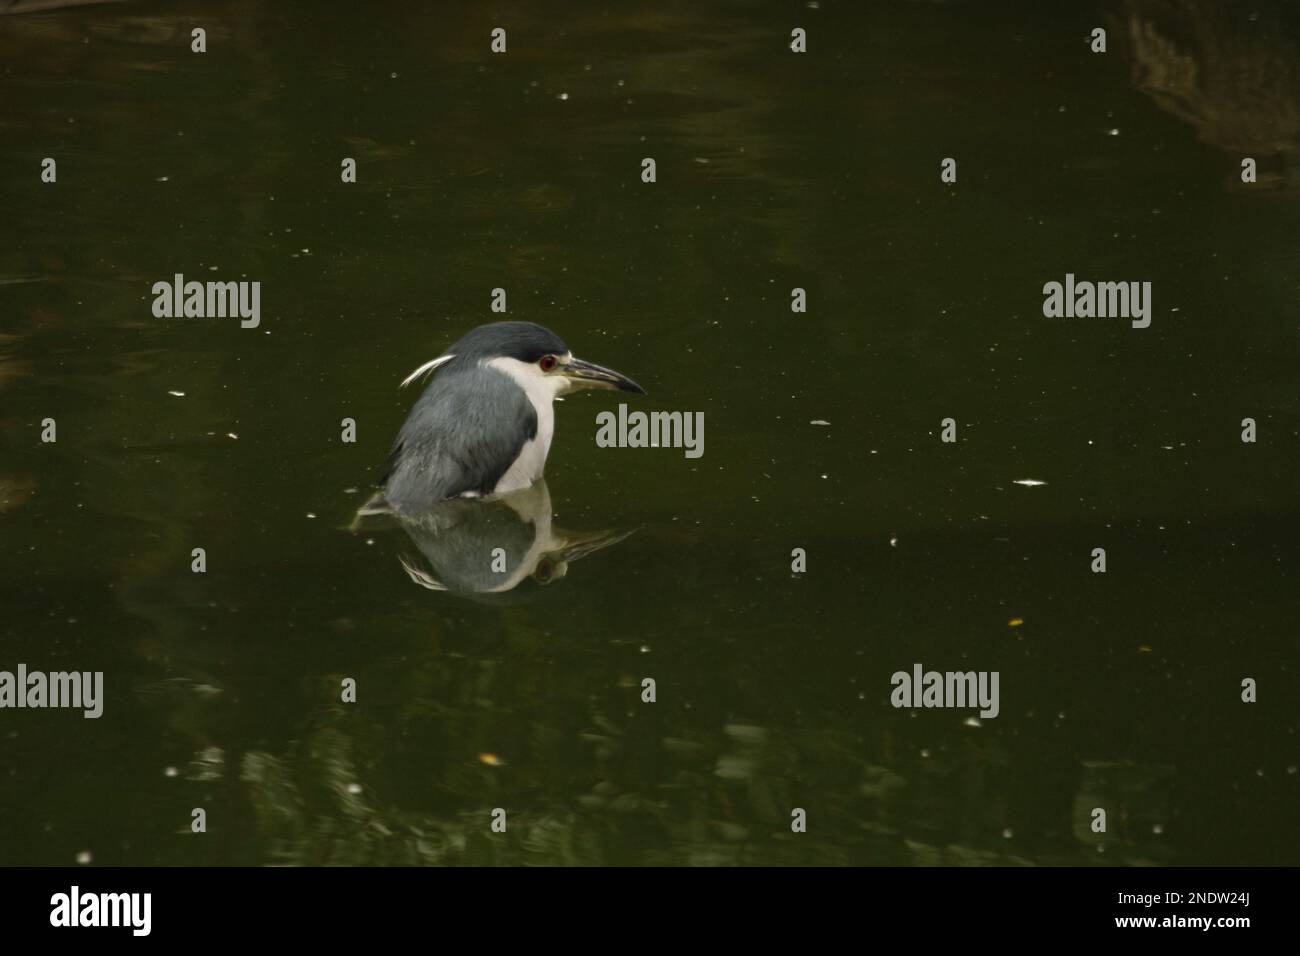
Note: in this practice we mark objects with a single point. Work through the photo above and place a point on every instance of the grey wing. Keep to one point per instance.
(462, 435)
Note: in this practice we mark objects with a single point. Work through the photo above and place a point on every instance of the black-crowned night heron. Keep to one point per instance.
(484, 425)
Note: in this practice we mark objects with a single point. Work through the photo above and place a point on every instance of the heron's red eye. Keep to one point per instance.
(547, 362)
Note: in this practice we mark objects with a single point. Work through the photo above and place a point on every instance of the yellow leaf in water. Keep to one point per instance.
(1015, 622)
(492, 760)
(1144, 649)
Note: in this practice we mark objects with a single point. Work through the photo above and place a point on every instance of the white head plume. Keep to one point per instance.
(428, 366)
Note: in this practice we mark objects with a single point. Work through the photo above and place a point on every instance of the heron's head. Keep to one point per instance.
(535, 357)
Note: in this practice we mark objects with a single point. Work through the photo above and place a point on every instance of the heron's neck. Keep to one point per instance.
(541, 391)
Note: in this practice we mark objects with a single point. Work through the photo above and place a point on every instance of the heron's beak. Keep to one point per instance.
(569, 547)
(580, 374)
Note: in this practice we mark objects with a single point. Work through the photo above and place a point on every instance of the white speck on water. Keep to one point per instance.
(232, 435)
(1028, 482)
(563, 96)
(310, 514)
(176, 394)
(84, 857)
(170, 772)
(161, 179)
(818, 421)
(354, 788)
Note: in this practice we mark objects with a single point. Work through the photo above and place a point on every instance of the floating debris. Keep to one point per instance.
(1028, 482)
(1015, 622)
(492, 760)
(176, 394)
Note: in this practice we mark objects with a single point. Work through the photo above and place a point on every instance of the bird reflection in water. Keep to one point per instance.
(486, 547)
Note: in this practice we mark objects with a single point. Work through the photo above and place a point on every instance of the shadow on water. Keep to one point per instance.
(487, 548)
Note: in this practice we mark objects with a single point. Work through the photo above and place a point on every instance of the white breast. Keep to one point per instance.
(541, 390)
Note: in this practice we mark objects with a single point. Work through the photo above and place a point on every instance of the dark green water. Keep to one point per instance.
(775, 170)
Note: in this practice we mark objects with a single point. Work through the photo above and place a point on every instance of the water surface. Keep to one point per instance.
(775, 171)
